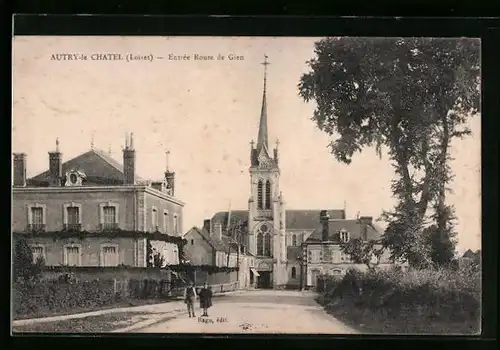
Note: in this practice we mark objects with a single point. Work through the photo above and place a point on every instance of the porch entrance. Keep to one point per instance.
(264, 280)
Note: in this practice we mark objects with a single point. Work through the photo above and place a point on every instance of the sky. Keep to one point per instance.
(206, 112)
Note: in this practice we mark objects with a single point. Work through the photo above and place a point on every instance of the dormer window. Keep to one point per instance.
(344, 236)
(75, 178)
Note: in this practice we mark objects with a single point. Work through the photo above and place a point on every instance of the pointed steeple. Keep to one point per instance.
(262, 139)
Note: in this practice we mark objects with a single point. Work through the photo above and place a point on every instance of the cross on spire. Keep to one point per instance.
(252, 143)
(262, 136)
(265, 64)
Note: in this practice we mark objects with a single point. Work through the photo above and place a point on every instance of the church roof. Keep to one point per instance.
(353, 226)
(297, 219)
(98, 166)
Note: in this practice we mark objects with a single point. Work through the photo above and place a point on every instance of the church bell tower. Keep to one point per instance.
(266, 213)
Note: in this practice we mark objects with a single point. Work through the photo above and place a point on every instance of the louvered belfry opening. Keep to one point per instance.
(259, 195)
(268, 194)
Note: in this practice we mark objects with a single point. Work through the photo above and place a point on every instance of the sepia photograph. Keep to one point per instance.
(242, 185)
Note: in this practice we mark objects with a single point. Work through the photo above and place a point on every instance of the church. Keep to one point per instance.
(275, 235)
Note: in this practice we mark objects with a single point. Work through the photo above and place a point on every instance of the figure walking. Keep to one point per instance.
(205, 298)
(189, 298)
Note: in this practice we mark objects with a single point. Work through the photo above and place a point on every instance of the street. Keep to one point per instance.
(260, 311)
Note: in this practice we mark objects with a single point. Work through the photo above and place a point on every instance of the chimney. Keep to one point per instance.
(324, 219)
(365, 221)
(206, 225)
(170, 178)
(129, 161)
(19, 169)
(218, 230)
(55, 166)
(276, 151)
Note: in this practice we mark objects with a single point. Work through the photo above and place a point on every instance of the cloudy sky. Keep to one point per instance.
(206, 113)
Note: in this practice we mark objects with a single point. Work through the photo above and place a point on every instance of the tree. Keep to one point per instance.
(360, 252)
(441, 240)
(408, 96)
(23, 265)
(158, 260)
(236, 229)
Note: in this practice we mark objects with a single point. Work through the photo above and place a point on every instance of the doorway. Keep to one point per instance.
(264, 280)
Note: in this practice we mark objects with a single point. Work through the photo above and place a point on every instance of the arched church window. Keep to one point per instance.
(260, 243)
(268, 194)
(267, 244)
(259, 195)
(294, 240)
(294, 272)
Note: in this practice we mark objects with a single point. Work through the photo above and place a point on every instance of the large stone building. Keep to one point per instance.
(320, 253)
(93, 211)
(275, 234)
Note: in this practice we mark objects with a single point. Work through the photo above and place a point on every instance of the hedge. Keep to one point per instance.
(423, 295)
(35, 298)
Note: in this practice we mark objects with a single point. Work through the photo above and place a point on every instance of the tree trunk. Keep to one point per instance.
(441, 217)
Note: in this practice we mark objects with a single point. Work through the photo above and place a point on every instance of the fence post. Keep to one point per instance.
(114, 288)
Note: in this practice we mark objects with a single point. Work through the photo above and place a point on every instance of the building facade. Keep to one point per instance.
(321, 253)
(207, 246)
(94, 211)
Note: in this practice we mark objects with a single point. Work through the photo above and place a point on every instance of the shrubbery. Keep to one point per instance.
(65, 294)
(36, 298)
(421, 296)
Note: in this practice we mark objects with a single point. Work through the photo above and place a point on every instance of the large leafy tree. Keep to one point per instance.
(408, 96)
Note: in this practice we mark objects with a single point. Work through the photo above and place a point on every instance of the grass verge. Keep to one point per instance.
(378, 322)
(128, 303)
(91, 324)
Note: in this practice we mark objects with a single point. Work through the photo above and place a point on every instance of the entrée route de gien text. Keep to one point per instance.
(141, 57)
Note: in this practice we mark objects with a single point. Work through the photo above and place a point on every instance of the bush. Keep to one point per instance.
(423, 295)
(41, 297)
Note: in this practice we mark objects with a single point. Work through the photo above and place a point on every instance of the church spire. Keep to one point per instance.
(262, 139)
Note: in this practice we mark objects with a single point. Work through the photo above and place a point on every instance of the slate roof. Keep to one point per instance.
(353, 226)
(99, 167)
(470, 254)
(297, 219)
(217, 244)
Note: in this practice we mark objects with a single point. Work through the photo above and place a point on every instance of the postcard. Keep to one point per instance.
(294, 185)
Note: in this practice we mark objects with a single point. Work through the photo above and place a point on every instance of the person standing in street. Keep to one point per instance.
(190, 298)
(205, 299)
